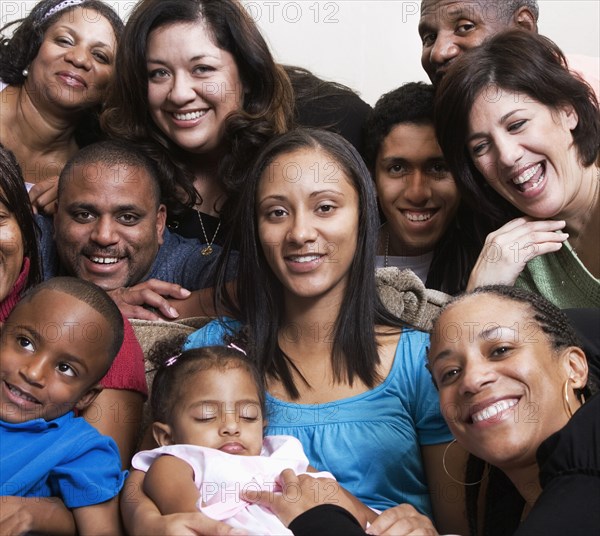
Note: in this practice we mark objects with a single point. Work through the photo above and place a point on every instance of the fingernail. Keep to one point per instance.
(185, 292)
(173, 312)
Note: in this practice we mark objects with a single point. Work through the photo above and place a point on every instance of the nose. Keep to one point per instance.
(181, 91)
(477, 374)
(418, 189)
(104, 231)
(33, 371)
(230, 424)
(79, 57)
(301, 229)
(509, 150)
(444, 49)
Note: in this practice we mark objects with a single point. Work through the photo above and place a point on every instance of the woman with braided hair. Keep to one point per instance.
(512, 381)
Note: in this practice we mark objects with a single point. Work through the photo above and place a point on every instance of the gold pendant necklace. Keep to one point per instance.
(208, 249)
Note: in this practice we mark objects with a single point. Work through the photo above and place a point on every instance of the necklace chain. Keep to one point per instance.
(208, 249)
(387, 247)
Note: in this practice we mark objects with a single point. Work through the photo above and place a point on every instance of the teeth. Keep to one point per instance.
(17, 392)
(304, 258)
(418, 216)
(491, 411)
(527, 175)
(105, 260)
(189, 116)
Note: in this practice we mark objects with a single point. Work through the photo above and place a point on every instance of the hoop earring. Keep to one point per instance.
(566, 398)
(455, 479)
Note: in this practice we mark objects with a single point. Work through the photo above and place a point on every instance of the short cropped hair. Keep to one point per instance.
(93, 296)
(113, 153)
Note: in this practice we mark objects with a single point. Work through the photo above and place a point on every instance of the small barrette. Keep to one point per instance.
(172, 360)
(236, 347)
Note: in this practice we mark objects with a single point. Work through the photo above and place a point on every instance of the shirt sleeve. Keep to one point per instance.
(92, 475)
(127, 371)
(212, 334)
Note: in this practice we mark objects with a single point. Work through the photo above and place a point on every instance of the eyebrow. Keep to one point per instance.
(502, 120)
(194, 58)
(278, 197)
(92, 208)
(74, 32)
(34, 334)
(221, 402)
(482, 335)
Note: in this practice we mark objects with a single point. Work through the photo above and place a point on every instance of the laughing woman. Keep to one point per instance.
(521, 136)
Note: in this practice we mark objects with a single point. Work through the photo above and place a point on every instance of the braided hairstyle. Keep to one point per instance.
(503, 503)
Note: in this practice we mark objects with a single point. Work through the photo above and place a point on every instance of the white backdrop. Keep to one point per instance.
(371, 45)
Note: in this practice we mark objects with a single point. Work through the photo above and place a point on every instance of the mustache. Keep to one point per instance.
(103, 252)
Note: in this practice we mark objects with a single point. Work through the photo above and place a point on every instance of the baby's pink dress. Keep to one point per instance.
(221, 477)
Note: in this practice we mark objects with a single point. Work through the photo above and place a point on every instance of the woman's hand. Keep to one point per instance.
(507, 250)
(402, 520)
(300, 493)
(43, 196)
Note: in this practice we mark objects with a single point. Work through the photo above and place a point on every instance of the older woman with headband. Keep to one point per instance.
(54, 71)
(512, 381)
(521, 136)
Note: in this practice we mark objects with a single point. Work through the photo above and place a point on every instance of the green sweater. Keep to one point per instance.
(562, 279)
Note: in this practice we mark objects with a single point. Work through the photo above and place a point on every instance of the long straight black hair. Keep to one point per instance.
(259, 298)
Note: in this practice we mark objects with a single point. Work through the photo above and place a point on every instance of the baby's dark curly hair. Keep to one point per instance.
(175, 367)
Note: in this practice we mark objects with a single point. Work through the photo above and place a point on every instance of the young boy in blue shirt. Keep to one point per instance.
(56, 345)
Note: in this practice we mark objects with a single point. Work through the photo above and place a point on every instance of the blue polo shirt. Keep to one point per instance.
(65, 458)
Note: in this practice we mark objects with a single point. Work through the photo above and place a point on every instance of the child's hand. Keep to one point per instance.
(22, 515)
(193, 524)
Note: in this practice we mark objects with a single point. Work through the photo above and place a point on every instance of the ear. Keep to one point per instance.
(162, 434)
(576, 366)
(161, 221)
(88, 397)
(524, 19)
(572, 119)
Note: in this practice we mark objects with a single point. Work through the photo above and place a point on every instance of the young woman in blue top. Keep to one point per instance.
(343, 375)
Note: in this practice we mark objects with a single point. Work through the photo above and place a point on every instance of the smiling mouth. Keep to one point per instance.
(530, 179)
(21, 394)
(104, 260)
(418, 217)
(493, 410)
(303, 258)
(189, 116)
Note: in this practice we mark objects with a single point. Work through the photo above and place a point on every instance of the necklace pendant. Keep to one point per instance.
(207, 250)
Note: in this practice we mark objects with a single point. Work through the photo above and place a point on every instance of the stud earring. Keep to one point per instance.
(25, 72)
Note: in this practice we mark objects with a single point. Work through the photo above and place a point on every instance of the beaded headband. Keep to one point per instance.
(60, 7)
